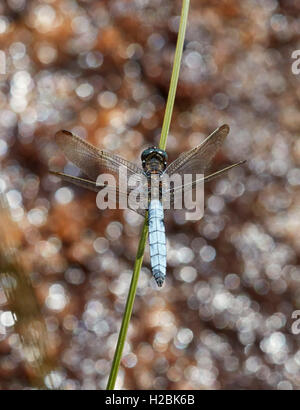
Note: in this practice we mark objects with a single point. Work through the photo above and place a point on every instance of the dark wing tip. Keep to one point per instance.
(225, 127)
(61, 137)
(60, 132)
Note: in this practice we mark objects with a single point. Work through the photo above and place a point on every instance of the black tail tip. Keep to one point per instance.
(159, 282)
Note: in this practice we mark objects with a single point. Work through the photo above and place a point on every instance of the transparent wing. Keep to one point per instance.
(83, 183)
(178, 191)
(198, 159)
(93, 186)
(93, 161)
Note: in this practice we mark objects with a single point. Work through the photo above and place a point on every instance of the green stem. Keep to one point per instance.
(128, 308)
(141, 248)
(175, 75)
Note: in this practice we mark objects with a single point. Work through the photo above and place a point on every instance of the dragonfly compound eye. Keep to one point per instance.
(147, 152)
(164, 155)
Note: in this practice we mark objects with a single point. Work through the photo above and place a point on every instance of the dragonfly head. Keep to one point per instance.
(154, 159)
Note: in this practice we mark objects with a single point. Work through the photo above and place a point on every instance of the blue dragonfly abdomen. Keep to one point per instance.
(157, 241)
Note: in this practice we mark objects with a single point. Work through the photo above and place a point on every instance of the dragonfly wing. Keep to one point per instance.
(84, 183)
(177, 192)
(93, 186)
(198, 159)
(93, 161)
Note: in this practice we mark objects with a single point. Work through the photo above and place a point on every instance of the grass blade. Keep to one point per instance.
(175, 75)
(141, 248)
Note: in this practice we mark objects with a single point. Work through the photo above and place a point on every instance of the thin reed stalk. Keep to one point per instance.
(141, 248)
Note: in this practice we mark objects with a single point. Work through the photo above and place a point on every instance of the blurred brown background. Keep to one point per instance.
(101, 69)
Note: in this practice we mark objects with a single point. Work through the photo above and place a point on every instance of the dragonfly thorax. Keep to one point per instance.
(154, 160)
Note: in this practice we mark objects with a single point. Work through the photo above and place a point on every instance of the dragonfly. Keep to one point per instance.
(93, 162)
